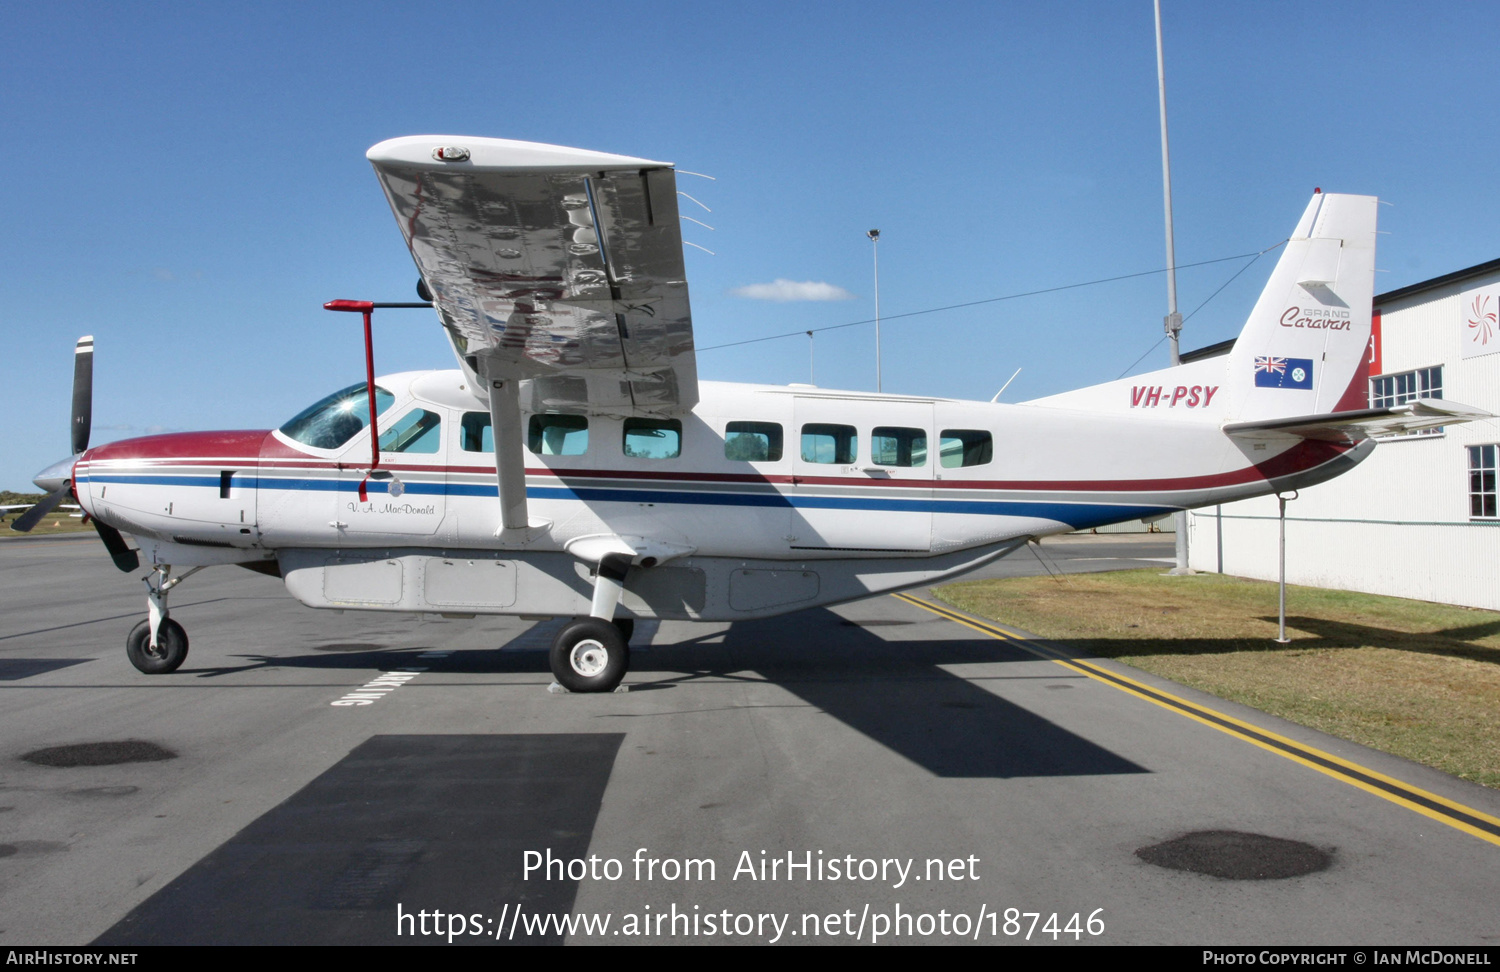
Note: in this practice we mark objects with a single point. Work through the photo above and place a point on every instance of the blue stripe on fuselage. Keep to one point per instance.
(1079, 515)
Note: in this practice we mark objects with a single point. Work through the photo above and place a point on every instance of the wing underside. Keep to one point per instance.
(560, 267)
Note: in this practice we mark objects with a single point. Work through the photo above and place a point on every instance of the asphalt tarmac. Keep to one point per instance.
(875, 772)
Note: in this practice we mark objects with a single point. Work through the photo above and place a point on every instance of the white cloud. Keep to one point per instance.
(781, 290)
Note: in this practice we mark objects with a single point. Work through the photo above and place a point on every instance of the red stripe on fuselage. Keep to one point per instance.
(238, 446)
(256, 447)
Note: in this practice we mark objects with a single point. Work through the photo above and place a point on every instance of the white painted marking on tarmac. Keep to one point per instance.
(379, 687)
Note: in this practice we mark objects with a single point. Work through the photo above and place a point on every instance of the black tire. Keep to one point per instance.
(626, 626)
(170, 652)
(589, 655)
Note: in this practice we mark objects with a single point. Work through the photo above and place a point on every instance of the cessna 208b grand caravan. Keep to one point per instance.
(575, 466)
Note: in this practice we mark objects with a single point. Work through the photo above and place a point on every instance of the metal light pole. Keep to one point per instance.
(874, 236)
(1173, 321)
(1281, 501)
(812, 361)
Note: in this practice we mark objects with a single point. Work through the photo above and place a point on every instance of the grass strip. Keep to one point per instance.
(1411, 678)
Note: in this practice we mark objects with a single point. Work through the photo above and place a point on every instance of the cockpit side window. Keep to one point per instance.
(333, 421)
(418, 431)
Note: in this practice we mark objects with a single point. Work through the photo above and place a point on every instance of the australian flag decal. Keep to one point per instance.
(1283, 372)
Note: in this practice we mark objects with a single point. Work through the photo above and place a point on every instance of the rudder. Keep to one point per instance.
(1303, 348)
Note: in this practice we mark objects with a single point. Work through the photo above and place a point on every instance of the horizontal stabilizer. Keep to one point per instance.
(1362, 423)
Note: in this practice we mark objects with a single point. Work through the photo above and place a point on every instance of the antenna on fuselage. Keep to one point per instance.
(1005, 386)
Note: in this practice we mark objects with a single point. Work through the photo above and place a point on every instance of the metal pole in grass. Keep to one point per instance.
(1281, 500)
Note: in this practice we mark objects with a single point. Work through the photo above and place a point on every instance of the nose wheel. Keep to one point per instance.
(589, 655)
(158, 645)
(169, 652)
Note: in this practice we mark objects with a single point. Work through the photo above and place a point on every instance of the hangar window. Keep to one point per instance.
(824, 443)
(418, 431)
(653, 438)
(753, 441)
(898, 447)
(1482, 503)
(558, 435)
(965, 447)
(1407, 386)
(332, 421)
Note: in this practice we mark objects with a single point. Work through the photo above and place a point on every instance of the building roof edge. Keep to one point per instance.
(1435, 282)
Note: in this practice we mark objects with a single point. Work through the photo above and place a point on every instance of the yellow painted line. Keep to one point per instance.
(1431, 805)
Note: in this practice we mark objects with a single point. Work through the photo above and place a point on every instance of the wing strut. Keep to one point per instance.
(510, 454)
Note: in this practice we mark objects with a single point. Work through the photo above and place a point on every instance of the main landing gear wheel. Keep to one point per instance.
(589, 655)
(170, 651)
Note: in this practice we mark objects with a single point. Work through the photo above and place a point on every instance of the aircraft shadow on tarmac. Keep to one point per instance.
(1326, 633)
(896, 692)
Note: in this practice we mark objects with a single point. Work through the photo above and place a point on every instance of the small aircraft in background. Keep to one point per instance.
(573, 465)
(6, 510)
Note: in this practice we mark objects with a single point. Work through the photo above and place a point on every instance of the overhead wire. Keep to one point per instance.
(1195, 310)
(992, 300)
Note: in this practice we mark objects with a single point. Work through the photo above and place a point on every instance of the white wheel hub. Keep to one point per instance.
(589, 657)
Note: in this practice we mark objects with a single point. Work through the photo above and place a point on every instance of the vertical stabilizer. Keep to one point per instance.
(1303, 349)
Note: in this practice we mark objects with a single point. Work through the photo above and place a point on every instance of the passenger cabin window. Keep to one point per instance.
(475, 434)
(557, 435)
(829, 443)
(652, 438)
(418, 431)
(964, 447)
(753, 441)
(332, 421)
(891, 446)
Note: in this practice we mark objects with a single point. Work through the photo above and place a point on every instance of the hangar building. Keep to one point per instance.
(1418, 518)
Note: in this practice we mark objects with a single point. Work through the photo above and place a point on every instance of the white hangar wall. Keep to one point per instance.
(1401, 523)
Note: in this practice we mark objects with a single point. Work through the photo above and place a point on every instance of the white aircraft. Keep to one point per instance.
(575, 466)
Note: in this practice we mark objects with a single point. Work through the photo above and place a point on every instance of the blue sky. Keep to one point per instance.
(187, 183)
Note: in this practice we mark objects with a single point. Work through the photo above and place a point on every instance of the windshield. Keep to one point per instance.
(338, 418)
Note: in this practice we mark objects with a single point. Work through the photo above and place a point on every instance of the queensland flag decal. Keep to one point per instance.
(1283, 372)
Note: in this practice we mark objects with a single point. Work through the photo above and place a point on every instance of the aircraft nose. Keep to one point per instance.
(51, 479)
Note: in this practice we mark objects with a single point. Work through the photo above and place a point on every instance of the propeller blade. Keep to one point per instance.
(83, 393)
(124, 558)
(33, 516)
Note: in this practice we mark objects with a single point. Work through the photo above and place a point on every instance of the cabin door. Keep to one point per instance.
(862, 475)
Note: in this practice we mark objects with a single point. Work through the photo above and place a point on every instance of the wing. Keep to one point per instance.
(557, 265)
(1362, 423)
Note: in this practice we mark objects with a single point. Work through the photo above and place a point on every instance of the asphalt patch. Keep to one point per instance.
(99, 754)
(1237, 856)
(89, 792)
(426, 822)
